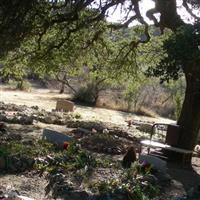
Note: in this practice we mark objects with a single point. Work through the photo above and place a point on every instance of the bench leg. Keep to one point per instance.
(148, 150)
(186, 158)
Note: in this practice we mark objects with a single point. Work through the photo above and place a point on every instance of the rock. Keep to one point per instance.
(14, 136)
(49, 119)
(27, 142)
(25, 115)
(41, 161)
(16, 163)
(94, 130)
(77, 195)
(84, 131)
(105, 131)
(178, 198)
(27, 120)
(64, 105)
(13, 194)
(156, 163)
(150, 179)
(116, 151)
(197, 149)
(35, 107)
(20, 197)
(59, 186)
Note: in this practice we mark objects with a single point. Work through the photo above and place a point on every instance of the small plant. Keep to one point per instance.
(83, 159)
(77, 115)
(178, 100)
(3, 151)
(128, 186)
(138, 193)
(71, 159)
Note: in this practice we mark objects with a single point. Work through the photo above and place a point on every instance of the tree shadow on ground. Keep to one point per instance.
(188, 176)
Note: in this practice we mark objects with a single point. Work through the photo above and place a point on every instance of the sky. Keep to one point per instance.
(117, 15)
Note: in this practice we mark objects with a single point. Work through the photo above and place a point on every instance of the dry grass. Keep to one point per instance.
(146, 112)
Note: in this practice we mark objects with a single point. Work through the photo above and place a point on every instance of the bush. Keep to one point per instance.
(86, 95)
(23, 85)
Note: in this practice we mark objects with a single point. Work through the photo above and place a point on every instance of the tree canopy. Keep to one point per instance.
(20, 19)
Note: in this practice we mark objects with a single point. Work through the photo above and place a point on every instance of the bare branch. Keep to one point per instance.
(190, 10)
(124, 25)
(66, 82)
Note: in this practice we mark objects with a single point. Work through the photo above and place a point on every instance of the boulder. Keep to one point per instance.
(65, 106)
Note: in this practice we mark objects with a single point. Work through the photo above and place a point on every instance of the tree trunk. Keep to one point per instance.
(189, 119)
(62, 89)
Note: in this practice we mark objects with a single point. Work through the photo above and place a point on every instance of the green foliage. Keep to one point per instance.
(61, 53)
(40, 148)
(77, 115)
(72, 159)
(178, 102)
(128, 186)
(181, 50)
(86, 95)
(132, 94)
(176, 90)
(23, 85)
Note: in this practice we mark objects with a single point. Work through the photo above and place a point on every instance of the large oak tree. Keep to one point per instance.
(20, 19)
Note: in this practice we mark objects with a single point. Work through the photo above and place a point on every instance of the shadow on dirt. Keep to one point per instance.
(189, 177)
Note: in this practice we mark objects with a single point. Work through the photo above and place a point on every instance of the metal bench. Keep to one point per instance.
(165, 141)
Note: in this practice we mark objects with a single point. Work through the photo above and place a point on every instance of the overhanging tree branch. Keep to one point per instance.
(189, 10)
(66, 82)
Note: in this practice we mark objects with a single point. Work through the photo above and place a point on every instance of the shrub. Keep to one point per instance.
(87, 95)
(23, 85)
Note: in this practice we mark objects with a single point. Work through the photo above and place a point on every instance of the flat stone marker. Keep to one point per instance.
(65, 106)
(55, 137)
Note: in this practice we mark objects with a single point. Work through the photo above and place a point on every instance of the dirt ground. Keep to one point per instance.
(33, 186)
(46, 99)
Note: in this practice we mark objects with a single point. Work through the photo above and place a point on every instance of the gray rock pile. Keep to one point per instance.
(60, 187)
(10, 193)
(18, 114)
(16, 163)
